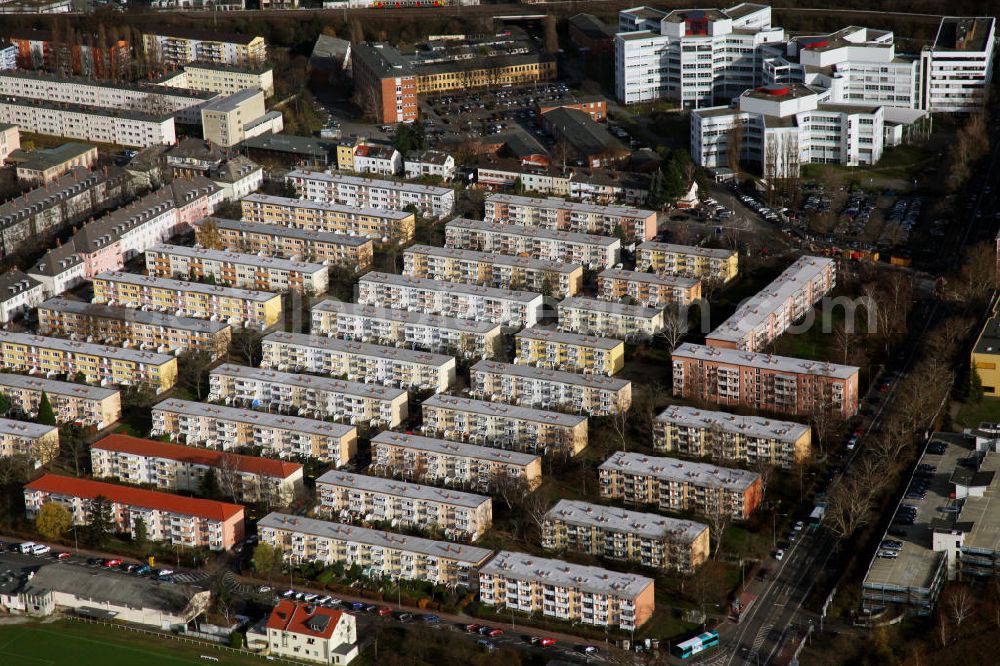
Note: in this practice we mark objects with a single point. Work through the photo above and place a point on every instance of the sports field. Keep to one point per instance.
(78, 644)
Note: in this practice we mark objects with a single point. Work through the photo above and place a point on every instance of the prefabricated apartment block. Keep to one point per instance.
(704, 263)
(173, 467)
(557, 214)
(648, 289)
(355, 252)
(594, 395)
(417, 330)
(672, 484)
(235, 269)
(722, 436)
(504, 426)
(358, 361)
(239, 307)
(310, 395)
(98, 364)
(321, 216)
(648, 539)
(443, 462)
(551, 348)
(37, 442)
(72, 403)
(227, 428)
(379, 554)
(345, 190)
(500, 271)
(353, 498)
(451, 299)
(144, 329)
(763, 381)
(593, 316)
(589, 250)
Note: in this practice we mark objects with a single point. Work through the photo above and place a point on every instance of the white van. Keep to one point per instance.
(27, 546)
(39, 549)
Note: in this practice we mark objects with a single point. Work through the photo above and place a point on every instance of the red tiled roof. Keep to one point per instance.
(147, 499)
(196, 456)
(292, 616)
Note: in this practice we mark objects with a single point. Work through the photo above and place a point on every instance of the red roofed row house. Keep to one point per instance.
(174, 519)
(311, 633)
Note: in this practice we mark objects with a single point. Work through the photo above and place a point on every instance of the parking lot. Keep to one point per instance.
(484, 112)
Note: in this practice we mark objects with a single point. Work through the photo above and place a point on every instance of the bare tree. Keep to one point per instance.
(619, 420)
(960, 603)
(718, 518)
(228, 473)
(980, 272)
(734, 145)
(675, 325)
(510, 487)
(849, 507)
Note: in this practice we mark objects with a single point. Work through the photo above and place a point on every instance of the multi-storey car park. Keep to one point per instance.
(358, 361)
(648, 539)
(504, 426)
(570, 592)
(98, 364)
(323, 216)
(176, 467)
(764, 381)
(648, 289)
(456, 464)
(352, 498)
(551, 348)
(382, 554)
(309, 395)
(241, 307)
(468, 338)
(772, 310)
(124, 326)
(722, 436)
(355, 252)
(37, 442)
(594, 316)
(280, 436)
(560, 215)
(451, 299)
(595, 395)
(680, 485)
(72, 403)
(344, 190)
(704, 263)
(233, 269)
(487, 269)
(589, 250)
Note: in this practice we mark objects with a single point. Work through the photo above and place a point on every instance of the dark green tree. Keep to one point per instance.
(101, 524)
(141, 532)
(46, 415)
(210, 486)
(4, 404)
(409, 137)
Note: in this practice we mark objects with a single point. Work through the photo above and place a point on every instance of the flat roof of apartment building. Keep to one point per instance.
(759, 308)
(493, 258)
(42, 159)
(751, 426)
(765, 361)
(405, 489)
(714, 253)
(502, 410)
(268, 199)
(595, 382)
(185, 286)
(87, 110)
(311, 382)
(678, 281)
(383, 59)
(612, 518)
(147, 499)
(360, 348)
(104, 311)
(230, 257)
(458, 449)
(77, 81)
(683, 471)
(359, 182)
(55, 387)
(262, 419)
(202, 35)
(231, 102)
(608, 307)
(555, 335)
(572, 206)
(149, 448)
(988, 341)
(457, 288)
(544, 571)
(24, 428)
(479, 326)
(290, 232)
(329, 530)
(964, 33)
(535, 232)
(74, 347)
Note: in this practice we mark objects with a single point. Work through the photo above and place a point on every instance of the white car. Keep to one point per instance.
(798, 526)
(779, 555)
(263, 588)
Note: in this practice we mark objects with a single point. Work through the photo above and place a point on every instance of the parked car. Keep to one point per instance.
(779, 554)
(111, 563)
(547, 642)
(472, 628)
(430, 619)
(384, 610)
(63, 556)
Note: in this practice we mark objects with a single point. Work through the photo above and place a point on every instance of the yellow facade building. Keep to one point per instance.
(986, 356)
(559, 350)
(688, 261)
(319, 216)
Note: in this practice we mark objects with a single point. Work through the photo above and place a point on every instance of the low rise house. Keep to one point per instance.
(592, 316)
(311, 633)
(544, 347)
(378, 160)
(594, 395)
(429, 163)
(72, 403)
(44, 165)
(60, 269)
(176, 520)
(589, 143)
(19, 294)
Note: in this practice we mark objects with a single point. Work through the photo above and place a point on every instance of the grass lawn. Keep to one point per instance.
(81, 644)
(973, 413)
